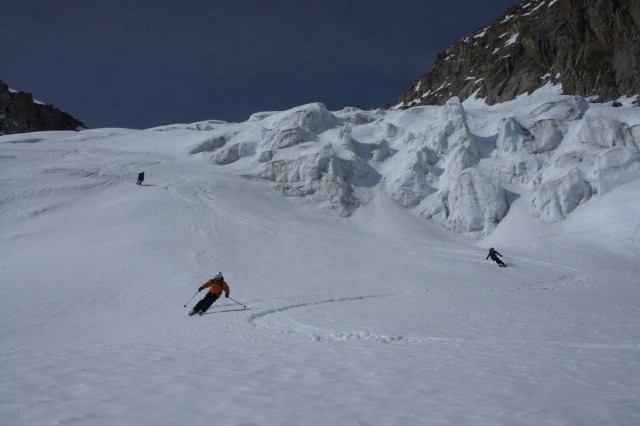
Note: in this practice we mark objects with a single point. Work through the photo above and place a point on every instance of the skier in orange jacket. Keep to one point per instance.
(216, 286)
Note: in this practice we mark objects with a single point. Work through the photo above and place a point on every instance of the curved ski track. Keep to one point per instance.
(204, 196)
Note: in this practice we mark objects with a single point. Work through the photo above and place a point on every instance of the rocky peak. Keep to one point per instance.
(19, 113)
(589, 47)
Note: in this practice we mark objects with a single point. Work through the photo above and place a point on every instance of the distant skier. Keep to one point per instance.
(494, 256)
(140, 178)
(216, 286)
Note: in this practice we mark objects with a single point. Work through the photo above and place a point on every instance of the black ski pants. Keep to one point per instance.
(205, 303)
(497, 260)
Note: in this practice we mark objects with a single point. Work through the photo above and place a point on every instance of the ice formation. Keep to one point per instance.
(461, 168)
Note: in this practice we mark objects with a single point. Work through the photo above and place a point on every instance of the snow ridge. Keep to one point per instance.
(441, 162)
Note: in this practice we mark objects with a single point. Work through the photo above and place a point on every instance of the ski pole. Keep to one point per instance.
(185, 305)
(243, 305)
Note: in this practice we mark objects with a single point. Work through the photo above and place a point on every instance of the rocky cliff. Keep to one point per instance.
(19, 113)
(589, 47)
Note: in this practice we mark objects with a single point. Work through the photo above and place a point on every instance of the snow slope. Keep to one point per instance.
(374, 315)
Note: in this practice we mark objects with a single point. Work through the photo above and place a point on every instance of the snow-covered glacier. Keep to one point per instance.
(460, 164)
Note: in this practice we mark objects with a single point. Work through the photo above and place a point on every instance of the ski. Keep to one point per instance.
(219, 311)
(227, 310)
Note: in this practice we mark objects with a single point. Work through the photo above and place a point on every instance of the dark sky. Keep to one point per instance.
(143, 63)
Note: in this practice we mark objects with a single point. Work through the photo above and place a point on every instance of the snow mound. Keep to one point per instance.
(555, 199)
(211, 144)
(199, 126)
(475, 204)
(566, 109)
(590, 174)
(414, 181)
(319, 177)
(605, 132)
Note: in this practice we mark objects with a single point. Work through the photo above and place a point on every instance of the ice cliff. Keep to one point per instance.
(461, 165)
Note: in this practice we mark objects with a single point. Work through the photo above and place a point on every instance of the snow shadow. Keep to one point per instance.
(486, 145)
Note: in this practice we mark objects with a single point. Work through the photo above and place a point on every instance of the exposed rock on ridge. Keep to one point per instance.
(19, 113)
(589, 47)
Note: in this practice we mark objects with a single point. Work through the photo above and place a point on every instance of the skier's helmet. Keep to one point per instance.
(218, 276)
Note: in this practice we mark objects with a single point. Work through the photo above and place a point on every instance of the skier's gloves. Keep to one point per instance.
(226, 296)
(199, 289)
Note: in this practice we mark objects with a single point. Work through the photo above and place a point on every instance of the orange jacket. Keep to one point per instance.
(216, 287)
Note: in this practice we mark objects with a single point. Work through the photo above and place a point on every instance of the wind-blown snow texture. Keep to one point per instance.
(376, 315)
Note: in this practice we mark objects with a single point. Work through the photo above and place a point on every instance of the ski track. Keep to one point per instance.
(319, 334)
(279, 309)
(203, 197)
(77, 357)
(562, 278)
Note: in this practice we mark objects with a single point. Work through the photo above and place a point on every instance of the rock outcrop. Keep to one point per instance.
(589, 47)
(19, 113)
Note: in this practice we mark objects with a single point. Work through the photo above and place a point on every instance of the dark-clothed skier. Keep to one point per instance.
(216, 286)
(140, 178)
(494, 256)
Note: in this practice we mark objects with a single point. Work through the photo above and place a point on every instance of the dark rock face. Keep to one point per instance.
(20, 114)
(590, 47)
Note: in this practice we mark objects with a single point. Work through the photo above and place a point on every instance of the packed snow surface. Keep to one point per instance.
(356, 240)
